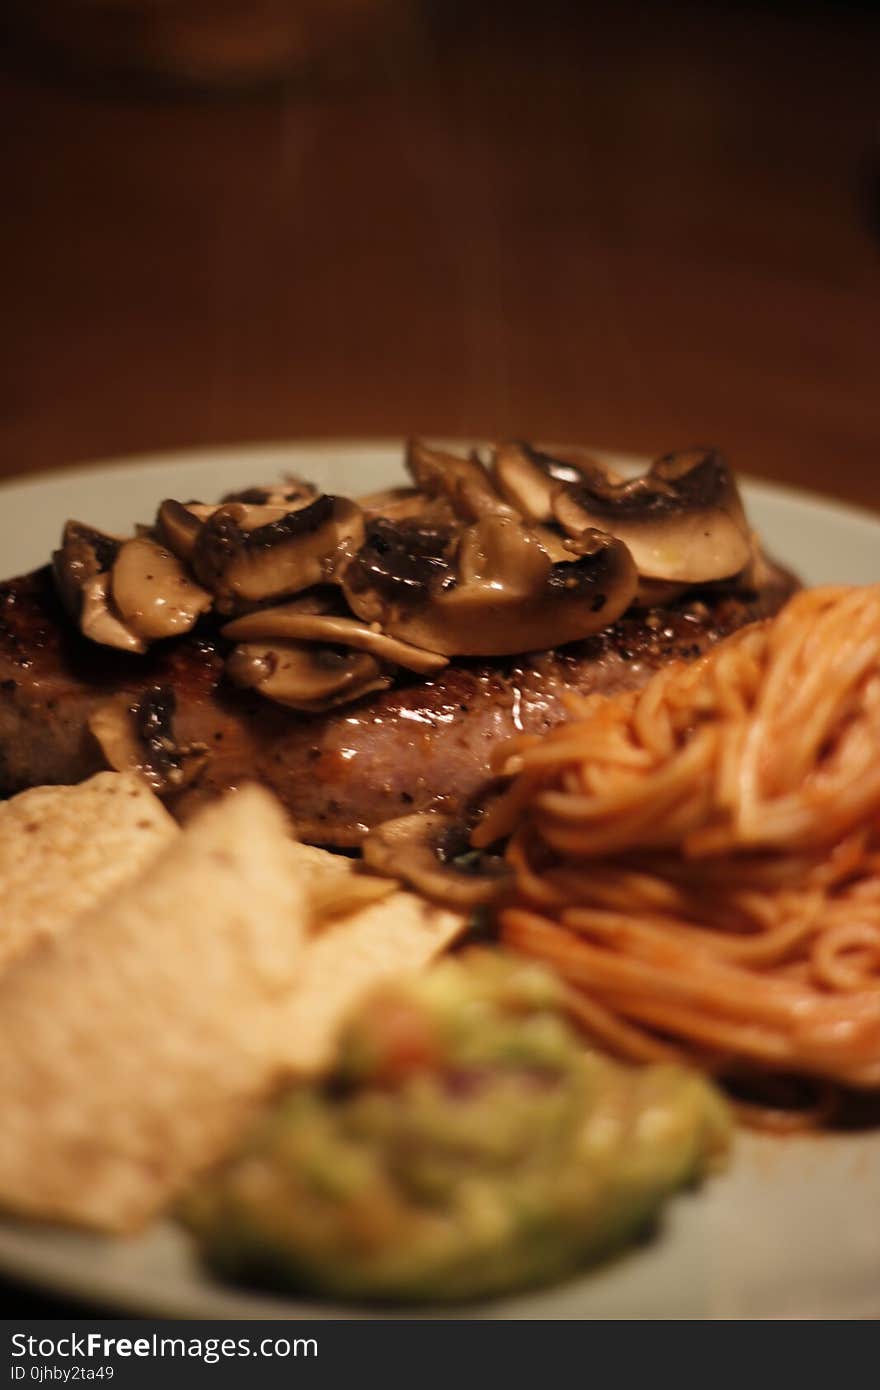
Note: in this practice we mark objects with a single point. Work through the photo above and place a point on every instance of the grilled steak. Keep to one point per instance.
(424, 743)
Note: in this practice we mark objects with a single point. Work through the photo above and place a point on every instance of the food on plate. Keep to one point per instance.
(581, 716)
(332, 883)
(134, 1045)
(701, 859)
(464, 1144)
(360, 656)
(156, 1003)
(64, 848)
(360, 942)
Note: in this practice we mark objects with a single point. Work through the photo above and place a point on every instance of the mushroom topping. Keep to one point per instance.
(431, 852)
(501, 555)
(305, 677)
(179, 524)
(82, 573)
(100, 623)
(657, 593)
(153, 592)
(397, 503)
(463, 481)
(504, 593)
(140, 738)
(178, 527)
(521, 550)
(398, 563)
(294, 552)
(524, 482)
(291, 624)
(683, 521)
(291, 495)
(407, 504)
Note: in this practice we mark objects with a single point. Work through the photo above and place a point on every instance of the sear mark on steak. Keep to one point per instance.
(423, 744)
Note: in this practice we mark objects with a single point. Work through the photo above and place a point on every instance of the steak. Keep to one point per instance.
(423, 744)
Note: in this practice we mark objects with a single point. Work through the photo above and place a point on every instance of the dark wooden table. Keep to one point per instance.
(637, 227)
(634, 226)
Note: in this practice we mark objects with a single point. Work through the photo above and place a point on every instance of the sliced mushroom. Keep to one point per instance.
(178, 527)
(179, 524)
(139, 737)
(153, 592)
(397, 503)
(523, 482)
(100, 623)
(287, 555)
(683, 520)
(463, 481)
(399, 562)
(760, 570)
(287, 496)
(81, 567)
(656, 593)
(83, 554)
(508, 596)
(431, 853)
(295, 625)
(502, 555)
(566, 464)
(305, 677)
(407, 504)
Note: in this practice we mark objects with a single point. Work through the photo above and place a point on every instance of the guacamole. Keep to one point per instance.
(467, 1143)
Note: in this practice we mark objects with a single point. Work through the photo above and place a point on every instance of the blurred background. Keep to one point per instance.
(632, 225)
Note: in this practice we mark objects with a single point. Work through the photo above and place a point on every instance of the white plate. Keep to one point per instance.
(790, 1230)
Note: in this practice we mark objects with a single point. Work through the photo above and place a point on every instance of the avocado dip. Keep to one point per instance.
(466, 1144)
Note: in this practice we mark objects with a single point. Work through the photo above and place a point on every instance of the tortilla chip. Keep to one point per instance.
(397, 936)
(134, 1046)
(335, 885)
(311, 862)
(63, 849)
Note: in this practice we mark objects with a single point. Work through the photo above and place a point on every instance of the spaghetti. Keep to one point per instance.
(700, 859)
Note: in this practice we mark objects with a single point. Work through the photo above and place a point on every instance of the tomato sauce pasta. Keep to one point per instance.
(700, 859)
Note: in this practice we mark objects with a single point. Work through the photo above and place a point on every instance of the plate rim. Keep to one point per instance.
(150, 460)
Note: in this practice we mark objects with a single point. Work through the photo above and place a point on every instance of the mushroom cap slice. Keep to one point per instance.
(305, 677)
(422, 849)
(463, 481)
(179, 524)
(567, 602)
(153, 593)
(138, 736)
(178, 527)
(503, 556)
(294, 552)
(287, 496)
(683, 520)
(83, 554)
(523, 482)
(399, 562)
(99, 622)
(407, 504)
(81, 567)
(291, 624)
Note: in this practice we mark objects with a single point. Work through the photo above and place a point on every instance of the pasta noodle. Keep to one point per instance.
(700, 859)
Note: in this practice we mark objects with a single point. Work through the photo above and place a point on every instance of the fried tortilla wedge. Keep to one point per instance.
(348, 957)
(63, 849)
(133, 1046)
(334, 884)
